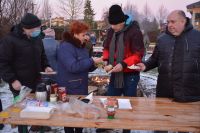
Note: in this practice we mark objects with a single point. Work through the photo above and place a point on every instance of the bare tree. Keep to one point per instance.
(105, 18)
(147, 12)
(2, 10)
(162, 14)
(16, 9)
(4, 25)
(73, 9)
(131, 9)
(148, 19)
(36, 7)
(11, 12)
(105, 13)
(46, 10)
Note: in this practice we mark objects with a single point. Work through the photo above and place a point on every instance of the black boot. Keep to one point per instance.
(1, 125)
(101, 130)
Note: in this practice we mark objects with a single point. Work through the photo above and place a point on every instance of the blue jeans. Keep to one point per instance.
(130, 85)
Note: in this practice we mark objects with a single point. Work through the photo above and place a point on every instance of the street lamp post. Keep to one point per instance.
(50, 20)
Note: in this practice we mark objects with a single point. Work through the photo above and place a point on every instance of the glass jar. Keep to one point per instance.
(111, 112)
(62, 96)
(54, 89)
(53, 98)
(111, 104)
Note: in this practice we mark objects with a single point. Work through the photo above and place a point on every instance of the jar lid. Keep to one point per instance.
(41, 87)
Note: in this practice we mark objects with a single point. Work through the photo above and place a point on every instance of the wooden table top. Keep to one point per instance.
(147, 114)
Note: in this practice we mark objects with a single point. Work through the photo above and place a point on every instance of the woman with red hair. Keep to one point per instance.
(74, 63)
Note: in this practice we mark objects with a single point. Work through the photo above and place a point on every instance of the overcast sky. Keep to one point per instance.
(100, 5)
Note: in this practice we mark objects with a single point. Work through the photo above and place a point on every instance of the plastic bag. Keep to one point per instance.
(24, 91)
(66, 108)
(87, 111)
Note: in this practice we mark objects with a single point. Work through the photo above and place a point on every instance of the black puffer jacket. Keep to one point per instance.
(178, 62)
(22, 58)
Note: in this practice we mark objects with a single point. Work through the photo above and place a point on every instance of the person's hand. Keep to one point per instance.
(48, 69)
(108, 68)
(16, 85)
(105, 63)
(97, 60)
(117, 68)
(142, 67)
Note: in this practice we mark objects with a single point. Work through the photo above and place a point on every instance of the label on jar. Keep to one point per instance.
(111, 109)
(53, 98)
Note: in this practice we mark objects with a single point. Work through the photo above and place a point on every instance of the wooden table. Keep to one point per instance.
(147, 114)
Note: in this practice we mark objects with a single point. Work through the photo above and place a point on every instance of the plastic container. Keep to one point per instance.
(41, 92)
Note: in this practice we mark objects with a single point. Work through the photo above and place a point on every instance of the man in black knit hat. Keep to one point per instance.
(123, 47)
(22, 55)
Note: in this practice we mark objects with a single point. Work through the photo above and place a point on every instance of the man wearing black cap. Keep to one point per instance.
(22, 55)
(123, 47)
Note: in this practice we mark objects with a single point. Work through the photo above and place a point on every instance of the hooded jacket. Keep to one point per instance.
(133, 46)
(22, 58)
(178, 62)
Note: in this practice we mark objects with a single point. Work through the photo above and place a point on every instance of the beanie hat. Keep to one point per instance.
(116, 15)
(30, 21)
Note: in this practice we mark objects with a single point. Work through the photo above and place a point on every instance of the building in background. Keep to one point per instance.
(194, 9)
(57, 22)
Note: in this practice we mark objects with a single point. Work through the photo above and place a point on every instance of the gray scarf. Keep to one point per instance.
(119, 43)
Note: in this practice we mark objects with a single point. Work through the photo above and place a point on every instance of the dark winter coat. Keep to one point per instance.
(73, 66)
(133, 46)
(22, 58)
(178, 62)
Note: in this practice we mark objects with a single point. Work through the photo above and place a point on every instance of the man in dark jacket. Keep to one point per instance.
(177, 56)
(22, 55)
